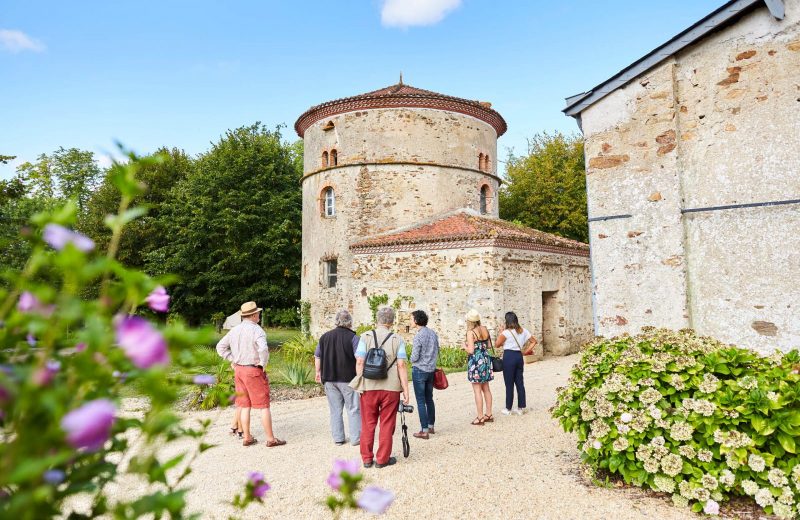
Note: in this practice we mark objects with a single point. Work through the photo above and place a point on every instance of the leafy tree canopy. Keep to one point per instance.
(234, 226)
(546, 189)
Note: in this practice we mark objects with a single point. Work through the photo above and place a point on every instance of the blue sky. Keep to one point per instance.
(179, 73)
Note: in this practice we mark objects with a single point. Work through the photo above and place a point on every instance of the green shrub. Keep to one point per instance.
(282, 317)
(296, 373)
(452, 357)
(299, 349)
(361, 329)
(204, 397)
(688, 415)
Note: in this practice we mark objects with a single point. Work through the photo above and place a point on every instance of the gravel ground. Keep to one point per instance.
(515, 468)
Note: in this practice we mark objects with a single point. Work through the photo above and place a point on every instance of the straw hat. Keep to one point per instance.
(249, 308)
(473, 316)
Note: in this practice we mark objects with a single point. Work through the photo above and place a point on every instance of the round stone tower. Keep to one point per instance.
(382, 161)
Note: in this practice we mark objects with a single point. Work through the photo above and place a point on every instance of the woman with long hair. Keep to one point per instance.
(516, 342)
(479, 366)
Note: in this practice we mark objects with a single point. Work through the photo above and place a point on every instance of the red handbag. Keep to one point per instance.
(440, 379)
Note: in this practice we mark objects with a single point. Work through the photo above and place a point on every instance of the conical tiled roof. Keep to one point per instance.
(398, 96)
(465, 229)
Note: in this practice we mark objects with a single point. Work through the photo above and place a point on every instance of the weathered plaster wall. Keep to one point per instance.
(396, 168)
(447, 283)
(717, 125)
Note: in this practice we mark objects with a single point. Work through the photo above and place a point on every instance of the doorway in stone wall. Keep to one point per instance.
(549, 320)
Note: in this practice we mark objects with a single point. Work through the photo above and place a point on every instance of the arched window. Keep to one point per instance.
(487, 165)
(480, 161)
(324, 159)
(329, 207)
(334, 157)
(484, 199)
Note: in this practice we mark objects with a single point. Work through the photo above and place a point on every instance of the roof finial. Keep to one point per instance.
(401, 77)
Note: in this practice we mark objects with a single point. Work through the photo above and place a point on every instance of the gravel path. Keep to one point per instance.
(516, 468)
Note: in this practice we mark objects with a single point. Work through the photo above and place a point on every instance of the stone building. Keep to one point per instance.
(693, 154)
(400, 198)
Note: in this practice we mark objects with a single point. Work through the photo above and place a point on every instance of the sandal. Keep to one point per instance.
(250, 442)
(235, 432)
(276, 442)
(488, 418)
(477, 422)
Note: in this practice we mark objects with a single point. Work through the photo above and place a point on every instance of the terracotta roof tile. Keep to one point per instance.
(397, 96)
(465, 228)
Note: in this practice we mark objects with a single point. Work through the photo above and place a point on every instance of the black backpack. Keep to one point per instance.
(375, 360)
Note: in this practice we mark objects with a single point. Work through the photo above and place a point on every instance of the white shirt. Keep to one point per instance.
(245, 344)
(514, 341)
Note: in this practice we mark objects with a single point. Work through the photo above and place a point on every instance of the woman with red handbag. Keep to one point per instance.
(424, 353)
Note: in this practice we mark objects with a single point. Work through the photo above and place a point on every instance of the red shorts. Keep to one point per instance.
(252, 387)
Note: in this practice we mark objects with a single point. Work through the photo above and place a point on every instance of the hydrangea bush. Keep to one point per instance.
(690, 416)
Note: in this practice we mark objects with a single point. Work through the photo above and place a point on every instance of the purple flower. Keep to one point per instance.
(58, 237)
(260, 486)
(80, 347)
(31, 340)
(54, 476)
(28, 302)
(90, 425)
(44, 376)
(204, 379)
(351, 467)
(158, 299)
(375, 500)
(122, 376)
(143, 344)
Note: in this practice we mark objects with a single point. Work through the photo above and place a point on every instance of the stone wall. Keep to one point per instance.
(447, 283)
(716, 125)
(396, 168)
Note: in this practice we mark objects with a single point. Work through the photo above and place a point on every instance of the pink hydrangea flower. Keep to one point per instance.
(260, 486)
(90, 425)
(58, 237)
(158, 299)
(28, 302)
(375, 500)
(44, 376)
(143, 344)
(351, 467)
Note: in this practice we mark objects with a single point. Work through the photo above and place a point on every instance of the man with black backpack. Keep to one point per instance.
(381, 377)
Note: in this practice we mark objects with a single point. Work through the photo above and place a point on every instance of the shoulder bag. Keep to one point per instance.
(440, 379)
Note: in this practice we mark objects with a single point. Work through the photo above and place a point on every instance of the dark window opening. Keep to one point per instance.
(324, 159)
(484, 197)
(330, 273)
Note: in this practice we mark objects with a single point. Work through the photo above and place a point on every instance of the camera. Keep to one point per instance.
(405, 408)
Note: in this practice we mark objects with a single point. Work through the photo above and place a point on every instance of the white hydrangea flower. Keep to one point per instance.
(662, 423)
(658, 440)
(651, 466)
(647, 381)
(748, 382)
(655, 413)
(787, 497)
(664, 483)
(772, 396)
(727, 478)
(704, 407)
(709, 482)
(681, 431)
(732, 461)
(709, 385)
(686, 490)
(680, 501)
(623, 428)
(749, 487)
(705, 456)
(672, 464)
(687, 451)
(588, 415)
(764, 497)
(783, 511)
(599, 429)
(702, 494)
(796, 475)
(660, 452)
(756, 463)
(626, 417)
(621, 444)
(597, 445)
(650, 396)
(711, 508)
(677, 382)
(777, 477)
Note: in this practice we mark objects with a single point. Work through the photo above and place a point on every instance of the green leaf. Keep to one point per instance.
(787, 442)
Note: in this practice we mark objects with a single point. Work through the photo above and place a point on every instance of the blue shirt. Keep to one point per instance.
(425, 350)
(361, 351)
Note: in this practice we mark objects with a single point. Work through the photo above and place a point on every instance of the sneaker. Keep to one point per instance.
(340, 443)
(518, 411)
(389, 462)
(431, 430)
(368, 464)
(505, 411)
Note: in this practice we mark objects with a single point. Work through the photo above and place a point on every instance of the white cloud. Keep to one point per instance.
(17, 41)
(405, 13)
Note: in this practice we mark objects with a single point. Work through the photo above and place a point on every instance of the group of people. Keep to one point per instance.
(368, 401)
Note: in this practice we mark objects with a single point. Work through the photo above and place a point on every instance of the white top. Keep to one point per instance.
(245, 344)
(521, 339)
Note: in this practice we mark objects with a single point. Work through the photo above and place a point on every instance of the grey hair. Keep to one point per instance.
(385, 316)
(343, 319)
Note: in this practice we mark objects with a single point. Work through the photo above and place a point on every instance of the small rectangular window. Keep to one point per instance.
(330, 273)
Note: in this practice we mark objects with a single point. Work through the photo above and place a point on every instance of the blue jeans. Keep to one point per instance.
(423, 390)
(513, 365)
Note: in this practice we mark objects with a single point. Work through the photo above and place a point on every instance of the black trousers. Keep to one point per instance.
(513, 365)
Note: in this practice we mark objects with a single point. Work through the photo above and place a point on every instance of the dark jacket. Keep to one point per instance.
(337, 356)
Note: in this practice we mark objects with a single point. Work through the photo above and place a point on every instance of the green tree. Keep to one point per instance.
(65, 174)
(159, 173)
(234, 226)
(546, 189)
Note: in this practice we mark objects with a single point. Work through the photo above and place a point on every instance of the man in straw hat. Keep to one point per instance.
(245, 346)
